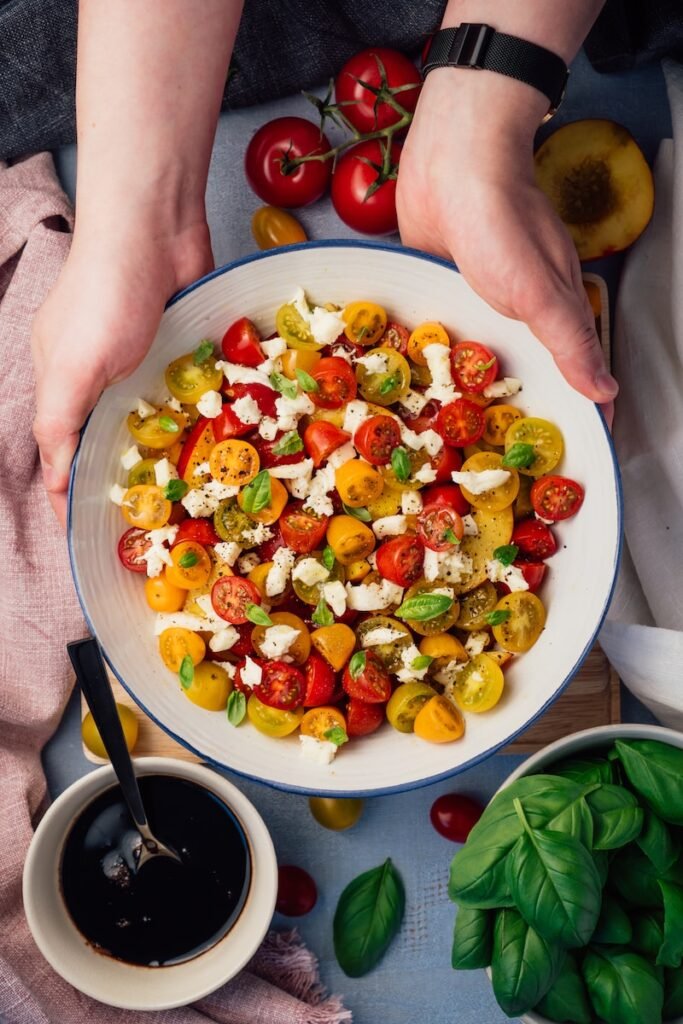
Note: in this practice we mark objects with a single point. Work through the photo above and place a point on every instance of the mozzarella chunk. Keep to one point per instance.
(268, 428)
(210, 404)
(504, 388)
(373, 597)
(293, 470)
(448, 674)
(184, 620)
(431, 565)
(471, 528)
(425, 474)
(235, 374)
(508, 574)
(228, 552)
(479, 483)
(374, 362)
(325, 325)
(117, 494)
(408, 674)
(340, 456)
(164, 535)
(164, 472)
(300, 487)
(317, 500)
(246, 410)
(290, 410)
(310, 571)
(278, 575)
(144, 409)
(206, 604)
(274, 347)
(413, 402)
(390, 526)
(131, 457)
(476, 642)
(318, 751)
(277, 640)
(342, 353)
(259, 534)
(335, 595)
(251, 673)
(442, 388)
(203, 501)
(202, 469)
(411, 503)
(223, 640)
(248, 562)
(451, 566)
(356, 413)
(173, 403)
(381, 635)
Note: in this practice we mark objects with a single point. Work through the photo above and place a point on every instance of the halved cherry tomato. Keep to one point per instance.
(454, 816)
(556, 497)
(241, 343)
(460, 422)
(336, 383)
(445, 462)
(196, 449)
(363, 718)
(188, 382)
(525, 623)
(159, 431)
(533, 573)
(425, 419)
(294, 329)
(322, 438)
(386, 386)
(234, 463)
(335, 644)
(439, 527)
(349, 539)
(497, 421)
(405, 704)
(320, 681)
(177, 643)
(279, 496)
(300, 649)
(376, 439)
(534, 539)
(163, 596)
(395, 336)
(272, 721)
(372, 684)
(302, 531)
(296, 891)
(479, 685)
(272, 227)
(282, 686)
(544, 437)
(449, 495)
(199, 530)
(133, 544)
(191, 566)
(365, 322)
(429, 333)
(357, 483)
(298, 359)
(231, 596)
(319, 721)
(474, 366)
(439, 721)
(145, 506)
(400, 560)
(496, 498)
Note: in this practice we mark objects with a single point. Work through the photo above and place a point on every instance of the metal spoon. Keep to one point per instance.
(92, 677)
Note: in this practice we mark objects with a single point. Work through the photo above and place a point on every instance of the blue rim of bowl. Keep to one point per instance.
(336, 243)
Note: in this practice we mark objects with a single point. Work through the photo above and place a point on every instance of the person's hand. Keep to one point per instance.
(466, 191)
(96, 327)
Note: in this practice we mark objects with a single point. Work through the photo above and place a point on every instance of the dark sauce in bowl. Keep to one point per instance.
(167, 912)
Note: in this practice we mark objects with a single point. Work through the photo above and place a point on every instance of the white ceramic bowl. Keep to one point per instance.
(581, 743)
(130, 986)
(413, 287)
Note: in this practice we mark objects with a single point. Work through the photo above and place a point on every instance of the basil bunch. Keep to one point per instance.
(570, 887)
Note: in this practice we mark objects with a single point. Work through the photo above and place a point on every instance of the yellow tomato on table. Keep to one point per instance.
(273, 227)
(91, 734)
(336, 813)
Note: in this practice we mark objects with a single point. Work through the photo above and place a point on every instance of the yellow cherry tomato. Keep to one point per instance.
(160, 430)
(188, 381)
(365, 322)
(475, 606)
(391, 653)
(500, 657)
(163, 596)
(336, 813)
(234, 463)
(142, 473)
(390, 384)
(443, 645)
(191, 566)
(350, 539)
(497, 421)
(301, 647)
(545, 439)
(273, 227)
(335, 644)
(417, 460)
(440, 623)
(430, 333)
(210, 687)
(439, 721)
(525, 624)
(358, 483)
(176, 643)
(146, 507)
(497, 498)
(318, 721)
(388, 503)
(298, 359)
(279, 496)
(272, 721)
(479, 685)
(93, 740)
(358, 570)
(405, 704)
(522, 506)
(258, 575)
(291, 326)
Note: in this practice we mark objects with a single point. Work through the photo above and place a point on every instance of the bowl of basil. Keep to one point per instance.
(570, 886)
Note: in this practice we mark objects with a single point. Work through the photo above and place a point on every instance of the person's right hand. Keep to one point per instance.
(96, 327)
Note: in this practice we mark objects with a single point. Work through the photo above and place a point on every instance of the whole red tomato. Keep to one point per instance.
(454, 816)
(267, 156)
(358, 202)
(359, 103)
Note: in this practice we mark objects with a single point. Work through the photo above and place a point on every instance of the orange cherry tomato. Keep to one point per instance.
(279, 496)
(176, 643)
(439, 721)
(430, 333)
(145, 506)
(365, 322)
(358, 483)
(234, 462)
(163, 596)
(273, 227)
(191, 566)
(318, 722)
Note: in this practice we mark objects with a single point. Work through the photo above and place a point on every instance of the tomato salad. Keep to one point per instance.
(342, 524)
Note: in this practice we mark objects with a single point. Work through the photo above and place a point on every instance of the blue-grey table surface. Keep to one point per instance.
(415, 980)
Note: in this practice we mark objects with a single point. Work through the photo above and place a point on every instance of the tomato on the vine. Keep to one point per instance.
(360, 201)
(268, 162)
(400, 560)
(362, 107)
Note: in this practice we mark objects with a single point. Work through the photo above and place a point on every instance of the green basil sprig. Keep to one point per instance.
(322, 616)
(357, 664)
(257, 615)
(506, 553)
(523, 964)
(614, 927)
(257, 495)
(423, 607)
(283, 384)
(498, 616)
(655, 771)
(671, 951)
(357, 513)
(336, 735)
(306, 382)
(618, 818)
(175, 490)
(237, 707)
(188, 559)
(203, 351)
(368, 916)
(472, 939)
(400, 463)
(328, 558)
(422, 661)
(290, 444)
(659, 843)
(186, 672)
(168, 424)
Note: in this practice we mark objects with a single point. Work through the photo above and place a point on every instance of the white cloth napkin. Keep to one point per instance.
(643, 635)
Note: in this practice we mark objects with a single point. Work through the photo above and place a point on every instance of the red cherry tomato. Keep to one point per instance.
(199, 530)
(439, 527)
(395, 336)
(361, 106)
(353, 178)
(556, 497)
(376, 439)
(534, 539)
(449, 495)
(264, 396)
(425, 420)
(454, 816)
(296, 891)
(244, 644)
(282, 686)
(321, 683)
(267, 456)
(447, 461)
(533, 573)
(321, 439)
(302, 531)
(266, 550)
(241, 344)
(460, 422)
(231, 596)
(336, 383)
(474, 366)
(267, 156)
(400, 560)
(372, 684)
(362, 718)
(131, 547)
(193, 439)
(227, 425)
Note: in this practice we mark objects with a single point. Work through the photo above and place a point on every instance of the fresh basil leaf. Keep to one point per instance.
(306, 382)
(623, 987)
(555, 884)
(322, 616)
(400, 463)
(389, 383)
(519, 456)
(567, 999)
(336, 735)
(617, 817)
(328, 558)
(186, 672)
(357, 664)
(257, 615)
(422, 661)
(585, 769)
(237, 707)
(648, 933)
(450, 536)
(472, 939)
(357, 513)
(673, 994)
(257, 495)
(283, 384)
(175, 490)
(188, 559)
(659, 843)
(424, 607)
(523, 964)
(506, 554)
(168, 424)
(671, 951)
(655, 771)
(575, 820)
(635, 878)
(613, 927)
(368, 916)
(203, 351)
(497, 616)
(290, 444)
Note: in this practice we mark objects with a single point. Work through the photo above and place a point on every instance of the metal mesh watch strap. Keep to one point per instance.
(481, 47)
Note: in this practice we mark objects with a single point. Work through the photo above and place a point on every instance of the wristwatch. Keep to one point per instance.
(480, 47)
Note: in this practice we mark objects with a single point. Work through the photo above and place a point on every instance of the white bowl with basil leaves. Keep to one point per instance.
(570, 887)
(413, 288)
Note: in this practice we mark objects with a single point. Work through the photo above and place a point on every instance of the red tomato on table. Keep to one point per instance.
(296, 891)
(370, 212)
(454, 816)
(371, 66)
(265, 162)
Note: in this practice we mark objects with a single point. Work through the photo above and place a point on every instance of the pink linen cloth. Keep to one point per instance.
(39, 613)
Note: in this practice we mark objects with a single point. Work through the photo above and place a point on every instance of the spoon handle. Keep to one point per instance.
(92, 678)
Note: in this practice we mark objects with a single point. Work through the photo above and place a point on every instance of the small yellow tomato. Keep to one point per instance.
(525, 623)
(544, 437)
(210, 687)
(440, 623)
(163, 596)
(176, 643)
(273, 227)
(258, 575)
(188, 381)
(497, 420)
(93, 740)
(301, 647)
(335, 643)
(443, 645)
(146, 507)
(388, 503)
(298, 359)
(475, 606)
(336, 813)
(365, 322)
(350, 539)
(390, 384)
(161, 430)
(405, 704)
(497, 498)
(358, 483)
(479, 685)
(291, 326)
(319, 721)
(279, 496)
(234, 462)
(439, 721)
(272, 721)
(191, 566)
(429, 333)
(142, 473)
(357, 571)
